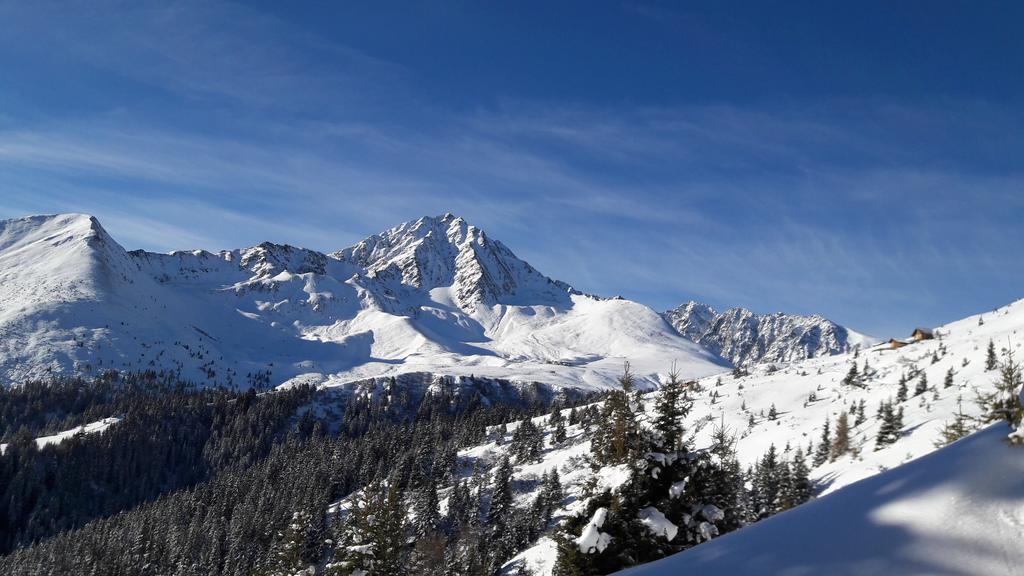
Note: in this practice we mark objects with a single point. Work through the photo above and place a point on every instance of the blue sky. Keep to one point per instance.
(859, 161)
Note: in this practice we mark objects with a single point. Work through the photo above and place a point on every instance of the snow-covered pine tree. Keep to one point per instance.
(947, 382)
(901, 391)
(428, 518)
(1005, 402)
(727, 489)
(527, 442)
(287, 556)
(569, 560)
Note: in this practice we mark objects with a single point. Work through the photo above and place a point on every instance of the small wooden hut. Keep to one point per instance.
(922, 334)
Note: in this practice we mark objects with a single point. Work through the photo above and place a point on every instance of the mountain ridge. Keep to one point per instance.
(745, 338)
(431, 295)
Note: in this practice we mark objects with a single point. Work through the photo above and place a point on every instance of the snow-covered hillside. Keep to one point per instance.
(96, 427)
(744, 405)
(433, 295)
(746, 338)
(957, 511)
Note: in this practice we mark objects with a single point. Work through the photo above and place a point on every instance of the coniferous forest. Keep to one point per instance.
(196, 480)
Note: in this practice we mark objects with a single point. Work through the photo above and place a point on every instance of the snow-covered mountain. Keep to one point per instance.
(433, 295)
(744, 337)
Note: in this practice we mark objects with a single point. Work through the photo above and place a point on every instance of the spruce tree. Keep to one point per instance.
(800, 486)
(890, 424)
(956, 429)
(500, 511)
(428, 518)
(860, 418)
(670, 408)
(766, 498)
(901, 391)
(824, 446)
(841, 442)
(727, 488)
(852, 377)
(922, 385)
(619, 438)
(1004, 403)
(948, 381)
(991, 360)
(569, 561)
(559, 434)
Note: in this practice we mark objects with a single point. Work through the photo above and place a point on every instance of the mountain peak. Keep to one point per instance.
(59, 258)
(447, 252)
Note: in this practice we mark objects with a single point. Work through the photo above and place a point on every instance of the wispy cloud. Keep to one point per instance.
(846, 207)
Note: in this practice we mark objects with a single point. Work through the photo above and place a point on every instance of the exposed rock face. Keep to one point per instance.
(746, 338)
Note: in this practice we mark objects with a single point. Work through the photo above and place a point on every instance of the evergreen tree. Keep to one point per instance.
(559, 434)
(670, 409)
(889, 426)
(948, 381)
(860, 417)
(619, 438)
(773, 414)
(922, 385)
(801, 488)
(569, 561)
(1004, 403)
(527, 442)
(287, 556)
(824, 446)
(501, 496)
(901, 391)
(841, 442)
(727, 488)
(955, 430)
(428, 518)
(991, 360)
(767, 486)
(852, 377)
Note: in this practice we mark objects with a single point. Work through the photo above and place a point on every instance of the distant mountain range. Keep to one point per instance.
(744, 338)
(434, 295)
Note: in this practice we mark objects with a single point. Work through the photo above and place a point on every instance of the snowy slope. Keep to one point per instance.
(83, 430)
(957, 511)
(746, 338)
(432, 295)
(800, 422)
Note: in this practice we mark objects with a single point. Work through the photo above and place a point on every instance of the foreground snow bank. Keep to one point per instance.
(959, 510)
